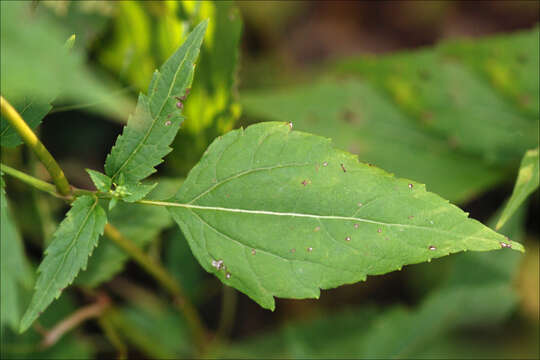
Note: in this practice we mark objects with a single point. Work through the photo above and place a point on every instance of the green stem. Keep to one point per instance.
(30, 180)
(28, 136)
(110, 332)
(164, 278)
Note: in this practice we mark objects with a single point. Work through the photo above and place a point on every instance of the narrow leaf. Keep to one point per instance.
(146, 138)
(526, 183)
(15, 269)
(275, 212)
(72, 244)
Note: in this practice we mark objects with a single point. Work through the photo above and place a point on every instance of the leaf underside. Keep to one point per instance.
(146, 138)
(274, 212)
(72, 244)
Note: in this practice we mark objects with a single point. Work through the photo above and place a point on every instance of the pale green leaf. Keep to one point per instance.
(101, 181)
(15, 270)
(54, 72)
(526, 183)
(281, 213)
(146, 138)
(137, 191)
(140, 224)
(72, 244)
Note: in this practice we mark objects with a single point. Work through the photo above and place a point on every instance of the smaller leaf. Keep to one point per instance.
(526, 183)
(101, 181)
(72, 244)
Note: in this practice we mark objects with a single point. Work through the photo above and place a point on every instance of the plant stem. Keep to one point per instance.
(28, 136)
(112, 335)
(164, 278)
(30, 180)
(75, 319)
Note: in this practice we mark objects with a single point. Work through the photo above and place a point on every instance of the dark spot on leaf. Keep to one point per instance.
(343, 168)
(426, 117)
(410, 186)
(293, 250)
(505, 245)
(348, 238)
(356, 226)
(309, 249)
(379, 230)
(350, 117)
(253, 251)
(290, 124)
(168, 123)
(359, 204)
(228, 275)
(410, 216)
(325, 163)
(431, 247)
(305, 182)
(179, 105)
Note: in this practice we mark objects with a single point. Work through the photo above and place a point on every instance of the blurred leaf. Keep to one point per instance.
(26, 346)
(145, 139)
(23, 35)
(72, 244)
(484, 299)
(363, 121)
(32, 111)
(527, 182)
(274, 212)
(15, 271)
(140, 224)
(445, 95)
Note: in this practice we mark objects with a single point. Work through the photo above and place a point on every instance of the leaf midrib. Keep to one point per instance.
(518, 246)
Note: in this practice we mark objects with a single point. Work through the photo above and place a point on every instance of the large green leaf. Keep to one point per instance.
(146, 138)
(15, 270)
(527, 182)
(72, 244)
(361, 120)
(140, 224)
(275, 212)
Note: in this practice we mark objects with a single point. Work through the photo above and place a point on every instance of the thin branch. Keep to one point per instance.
(75, 319)
(28, 136)
(164, 278)
(112, 335)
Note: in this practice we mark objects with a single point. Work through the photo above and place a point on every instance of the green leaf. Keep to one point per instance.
(72, 244)
(443, 91)
(146, 138)
(526, 183)
(139, 223)
(137, 192)
(15, 269)
(275, 212)
(360, 119)
(101, 181)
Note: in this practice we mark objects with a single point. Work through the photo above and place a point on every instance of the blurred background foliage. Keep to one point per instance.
(445, 93)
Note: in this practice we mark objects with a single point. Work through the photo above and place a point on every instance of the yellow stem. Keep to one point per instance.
(28, 136)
